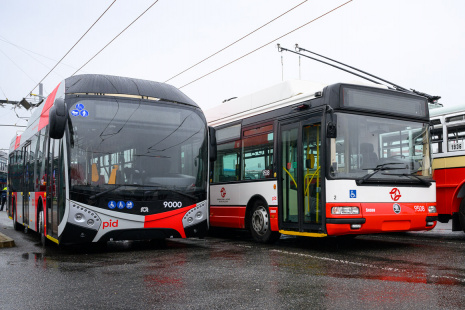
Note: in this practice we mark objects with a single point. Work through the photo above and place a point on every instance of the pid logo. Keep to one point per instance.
(113, 224)
(395, 194)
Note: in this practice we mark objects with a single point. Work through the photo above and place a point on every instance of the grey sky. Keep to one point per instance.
(414, 43)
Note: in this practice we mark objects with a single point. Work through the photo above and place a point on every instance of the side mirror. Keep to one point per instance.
(331, 130)
(58, 116)
(212, 147)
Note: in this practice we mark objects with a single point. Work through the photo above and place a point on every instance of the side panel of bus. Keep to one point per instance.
(229, 202)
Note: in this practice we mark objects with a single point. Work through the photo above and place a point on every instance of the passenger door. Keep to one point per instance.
(52, 188)
(299, 176)
(25, 184)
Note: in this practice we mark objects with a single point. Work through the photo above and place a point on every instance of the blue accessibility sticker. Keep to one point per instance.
(111, 204)
(84, 113)
(121, 205)
(80, 106)
(75, 113)
(353, 193)
(129, 204)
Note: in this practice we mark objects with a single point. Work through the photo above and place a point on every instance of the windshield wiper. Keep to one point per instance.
(104, 192)
(378, 168)
(175, 191)
(425, 182)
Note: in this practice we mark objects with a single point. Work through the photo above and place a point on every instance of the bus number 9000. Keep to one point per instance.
(172, 204)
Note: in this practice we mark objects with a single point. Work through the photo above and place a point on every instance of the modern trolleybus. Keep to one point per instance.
(448, 146)
(111, 158)
(305, 159)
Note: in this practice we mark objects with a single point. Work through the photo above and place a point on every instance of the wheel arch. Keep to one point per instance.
(249, 206)
(459, 195)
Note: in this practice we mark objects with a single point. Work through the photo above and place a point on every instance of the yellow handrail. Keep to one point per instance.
(291, 176)
(313, 175)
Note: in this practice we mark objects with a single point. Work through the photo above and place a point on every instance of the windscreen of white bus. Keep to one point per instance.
(380, 149)
(140, 157)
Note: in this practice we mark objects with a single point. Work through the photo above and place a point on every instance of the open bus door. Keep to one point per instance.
(300, 178)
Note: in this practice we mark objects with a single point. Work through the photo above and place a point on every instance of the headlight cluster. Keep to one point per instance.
(432, 209)
(195, 215)
(84, 217)
(345, 210)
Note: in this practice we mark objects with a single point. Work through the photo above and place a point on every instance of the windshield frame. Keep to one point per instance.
(383, 172)
(173, 192)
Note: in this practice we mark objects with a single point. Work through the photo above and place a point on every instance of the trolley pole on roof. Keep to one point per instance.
(431, 99)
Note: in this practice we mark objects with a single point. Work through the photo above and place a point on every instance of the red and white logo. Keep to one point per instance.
(395, 194)
(223, 192)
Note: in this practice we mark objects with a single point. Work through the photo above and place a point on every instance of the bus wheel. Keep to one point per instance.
(462, 214)
(41, 229)
(259, 224)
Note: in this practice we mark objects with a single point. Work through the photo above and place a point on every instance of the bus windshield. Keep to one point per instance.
(146, 152)
(380, 149)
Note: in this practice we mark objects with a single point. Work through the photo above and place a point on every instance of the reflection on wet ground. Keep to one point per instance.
(227, 269)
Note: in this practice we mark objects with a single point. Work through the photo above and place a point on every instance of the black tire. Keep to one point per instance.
(462, 214)
(259, 224)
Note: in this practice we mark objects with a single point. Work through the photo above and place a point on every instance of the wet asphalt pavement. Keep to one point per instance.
(230, 271)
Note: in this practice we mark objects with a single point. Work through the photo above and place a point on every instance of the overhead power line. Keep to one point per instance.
(28, 51)
(115, 37)
(12, 126)
(28, 54)
(72, 46)
(3, 92)
(17, 66)
(266, 44)
(235, 42)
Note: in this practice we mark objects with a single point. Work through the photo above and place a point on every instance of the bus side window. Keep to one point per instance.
(455, 138)
(257, 152)
(436, 139)
(227, 165)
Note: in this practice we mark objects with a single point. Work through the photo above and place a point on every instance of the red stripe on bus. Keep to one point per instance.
(380, 217)
(274, 223)
(171, 219)
(45, 110)
(448, 184)
(18, 141)
(230, 216)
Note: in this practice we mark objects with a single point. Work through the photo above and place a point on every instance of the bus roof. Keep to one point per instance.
(108, 84)
(279, 95)
(99, 84)
(446, 110)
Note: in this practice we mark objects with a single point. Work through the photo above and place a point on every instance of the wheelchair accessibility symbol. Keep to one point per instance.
(353, 193)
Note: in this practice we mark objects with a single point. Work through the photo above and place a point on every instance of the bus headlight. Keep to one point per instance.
(432, 209)
(195, 215)
(79, 217)
(345, 210)
(90, 222)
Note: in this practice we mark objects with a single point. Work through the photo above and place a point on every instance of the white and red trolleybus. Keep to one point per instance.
(306, 159)
(448, 146)
(111, 158)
